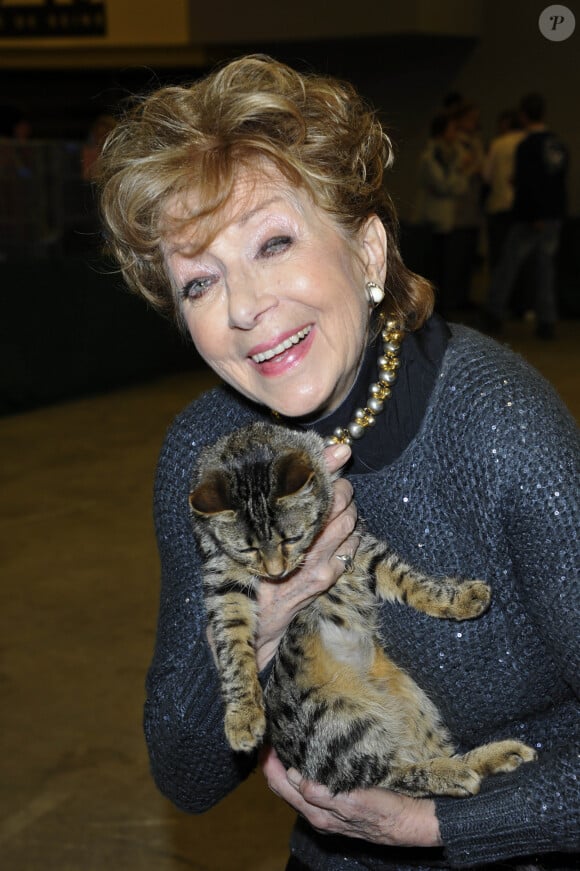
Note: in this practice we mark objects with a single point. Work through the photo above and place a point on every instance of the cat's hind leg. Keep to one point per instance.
(459, 776)
(499, 756)
(439, 776)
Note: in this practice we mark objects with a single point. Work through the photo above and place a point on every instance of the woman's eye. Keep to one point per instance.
(196, 287)
(275, 245)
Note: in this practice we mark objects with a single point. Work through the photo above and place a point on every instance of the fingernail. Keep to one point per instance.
(341, 452)
(294, 777)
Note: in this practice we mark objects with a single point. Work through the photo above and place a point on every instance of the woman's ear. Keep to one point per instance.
(374, 246)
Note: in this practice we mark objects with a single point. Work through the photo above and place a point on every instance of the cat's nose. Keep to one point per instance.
(274, 566)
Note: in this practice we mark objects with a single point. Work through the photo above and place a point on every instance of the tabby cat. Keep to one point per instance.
(335, 706)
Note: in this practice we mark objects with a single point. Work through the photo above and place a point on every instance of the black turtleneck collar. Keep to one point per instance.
(421, 356)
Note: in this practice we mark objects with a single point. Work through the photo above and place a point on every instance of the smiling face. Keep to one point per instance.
(275, 303)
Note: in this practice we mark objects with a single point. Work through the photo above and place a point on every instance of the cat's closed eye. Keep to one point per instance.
(294, 539)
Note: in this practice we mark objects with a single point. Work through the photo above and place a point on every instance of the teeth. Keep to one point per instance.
(283, 346)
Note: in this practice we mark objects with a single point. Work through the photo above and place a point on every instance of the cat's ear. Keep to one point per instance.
(294, 473)
(211, 496)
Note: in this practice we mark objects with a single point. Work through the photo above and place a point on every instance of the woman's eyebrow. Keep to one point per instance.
(260, 207)
(243, 219)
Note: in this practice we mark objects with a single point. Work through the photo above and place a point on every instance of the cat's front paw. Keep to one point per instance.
(471, 600)
(245, 726)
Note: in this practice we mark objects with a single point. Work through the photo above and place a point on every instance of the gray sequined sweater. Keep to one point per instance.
(488, 489)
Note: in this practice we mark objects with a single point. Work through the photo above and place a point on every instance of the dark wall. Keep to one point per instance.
(62, 103)
(69, 327)
(392, 71)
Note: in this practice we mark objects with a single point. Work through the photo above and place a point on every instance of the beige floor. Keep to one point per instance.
(79, 572)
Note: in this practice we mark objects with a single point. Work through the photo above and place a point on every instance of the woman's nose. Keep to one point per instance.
(247, 302)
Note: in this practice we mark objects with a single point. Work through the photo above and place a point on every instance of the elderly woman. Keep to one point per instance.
(251, 207)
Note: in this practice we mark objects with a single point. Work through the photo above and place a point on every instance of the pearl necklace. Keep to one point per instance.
(379, 391)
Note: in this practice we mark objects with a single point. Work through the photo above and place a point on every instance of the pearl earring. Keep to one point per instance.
(375, 293)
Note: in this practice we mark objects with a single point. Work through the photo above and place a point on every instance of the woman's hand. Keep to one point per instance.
(279, 602)
(376, 815)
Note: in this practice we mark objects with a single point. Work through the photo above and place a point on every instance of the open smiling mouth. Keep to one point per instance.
(283, 346)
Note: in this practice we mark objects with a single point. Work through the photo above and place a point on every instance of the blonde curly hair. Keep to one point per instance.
(316, 131)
